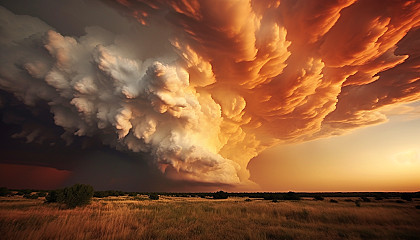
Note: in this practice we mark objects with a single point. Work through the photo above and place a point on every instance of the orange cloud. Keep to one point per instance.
(302, 70)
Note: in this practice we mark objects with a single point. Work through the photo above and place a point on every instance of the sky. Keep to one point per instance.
(206, 95)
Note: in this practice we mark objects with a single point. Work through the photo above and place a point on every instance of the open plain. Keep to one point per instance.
(197, 218)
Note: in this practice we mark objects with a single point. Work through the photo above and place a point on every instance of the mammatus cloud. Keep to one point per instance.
(204, 86)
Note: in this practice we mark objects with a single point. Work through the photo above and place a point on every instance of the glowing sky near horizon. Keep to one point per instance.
(384, 157)
(255, 94)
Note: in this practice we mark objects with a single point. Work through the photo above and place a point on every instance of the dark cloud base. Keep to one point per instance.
(86, 158)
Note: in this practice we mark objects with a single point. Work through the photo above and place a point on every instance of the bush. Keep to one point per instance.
(220, 195)
(74, 196)
(153, 196)
(202, 195)
(365, 199)
(357, 202)
(248, 200)
(318, 198)
(30, 196)
(23, 192)
(378, 198)
(271, 196)
(140, 198)
(41, 194)
(100, 194)
(418, 206)
(4, 191)
(406, 197)
(399, 201)
(333, 201)
(291, 196)
(53, 196)
(77, 195)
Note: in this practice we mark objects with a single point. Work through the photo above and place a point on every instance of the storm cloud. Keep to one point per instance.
(205, 86)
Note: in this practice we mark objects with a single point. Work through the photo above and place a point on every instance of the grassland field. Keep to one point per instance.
(197, 218)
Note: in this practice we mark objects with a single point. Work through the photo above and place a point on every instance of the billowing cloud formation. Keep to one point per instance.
(204, 86)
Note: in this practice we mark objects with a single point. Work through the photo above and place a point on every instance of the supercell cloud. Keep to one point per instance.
(205, 86)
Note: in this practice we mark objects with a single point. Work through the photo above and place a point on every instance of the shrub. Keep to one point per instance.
(248, 200)
(53, 196)
(333, 201)
(4, 191)
(23, 192)
(140, 198)
(378, 198)
(418, 206)
(365, 199)
(115, 193)
(30, 196)
(220, 195)
(291, 196)
(399, 201)
(318, 198)
(357, 202)
(100, 194)
(153, 196)
(41, 194)
(406, 196)
(76, 195)
(202, 195)
(271, 196)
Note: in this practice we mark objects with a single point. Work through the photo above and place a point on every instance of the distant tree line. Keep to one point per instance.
(59, 194)
(102, 194)
(294, 195)
(26, 193)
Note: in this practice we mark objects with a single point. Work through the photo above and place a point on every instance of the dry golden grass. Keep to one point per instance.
(196, 218)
